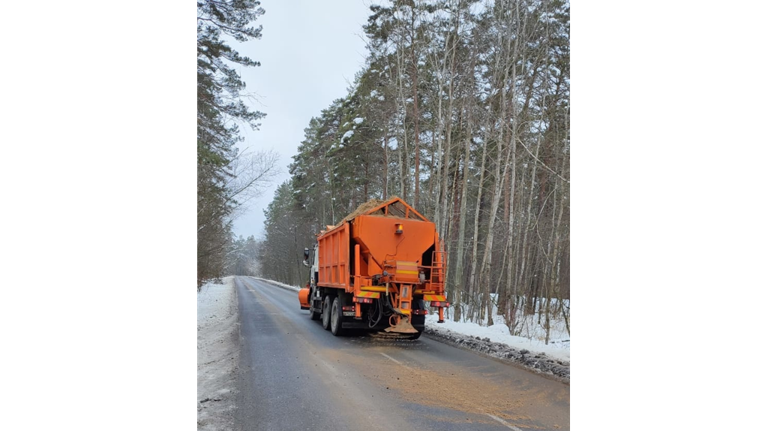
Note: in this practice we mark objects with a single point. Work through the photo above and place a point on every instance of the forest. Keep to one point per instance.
(462, 109)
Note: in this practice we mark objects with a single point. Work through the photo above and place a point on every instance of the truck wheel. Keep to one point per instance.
(336, 310)
(327, 312)
(314, 315)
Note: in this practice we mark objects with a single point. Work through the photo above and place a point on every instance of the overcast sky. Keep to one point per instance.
(309, 52)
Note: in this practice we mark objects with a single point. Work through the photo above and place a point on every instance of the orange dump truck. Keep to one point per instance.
(379, 269)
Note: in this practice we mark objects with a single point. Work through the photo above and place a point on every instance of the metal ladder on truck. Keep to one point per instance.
(437, 276)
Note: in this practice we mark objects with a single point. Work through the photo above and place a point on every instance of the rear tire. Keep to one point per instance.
(326, 314)
(336, 317)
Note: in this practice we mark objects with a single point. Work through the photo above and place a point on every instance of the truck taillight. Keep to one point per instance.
(399, 228)
(363, 300)
(440, 304)
(420, 312)
(348, 308)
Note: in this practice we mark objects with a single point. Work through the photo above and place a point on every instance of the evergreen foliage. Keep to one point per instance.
(242, 257)
(463, 110)
(219, 109)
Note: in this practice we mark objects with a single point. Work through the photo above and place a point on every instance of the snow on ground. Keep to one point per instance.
(559, 346)
(218, 348)
(217, 355)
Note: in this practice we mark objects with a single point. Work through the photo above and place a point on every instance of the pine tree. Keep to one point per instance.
(219, 108)
(483, 89)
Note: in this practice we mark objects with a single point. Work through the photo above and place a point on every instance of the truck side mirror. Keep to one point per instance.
(306, 253)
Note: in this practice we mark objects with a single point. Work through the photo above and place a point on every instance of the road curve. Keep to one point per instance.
(294, 375)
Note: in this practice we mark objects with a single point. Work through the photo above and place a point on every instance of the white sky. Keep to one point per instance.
(309, 52)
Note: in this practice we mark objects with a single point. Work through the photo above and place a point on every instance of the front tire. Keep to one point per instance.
(336, 317)
(326, 312)
(314, 315)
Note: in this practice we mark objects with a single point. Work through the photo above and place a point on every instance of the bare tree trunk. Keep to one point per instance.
(459, 273)
(511, 289)
(384, 191)
(433, 173)
(524, 248)
(330, 184)
(416, 162)
(415, 88)
(503, 155)
(438, 217)
(475, 239)
(402, 151)
(449, 120)
(559, 186)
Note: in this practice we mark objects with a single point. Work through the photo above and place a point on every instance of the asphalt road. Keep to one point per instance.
(294, 375)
